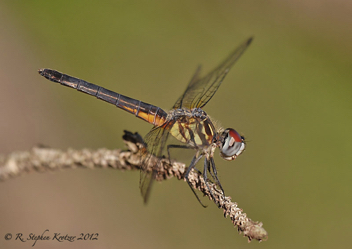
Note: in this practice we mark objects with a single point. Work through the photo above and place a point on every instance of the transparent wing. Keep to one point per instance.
(200, 90)
(155, 140)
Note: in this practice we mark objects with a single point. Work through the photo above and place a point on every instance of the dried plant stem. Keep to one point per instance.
(47, 159)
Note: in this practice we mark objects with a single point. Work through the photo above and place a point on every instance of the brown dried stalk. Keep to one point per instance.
(47, 159)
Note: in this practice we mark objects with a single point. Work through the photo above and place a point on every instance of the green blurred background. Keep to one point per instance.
(289, 94)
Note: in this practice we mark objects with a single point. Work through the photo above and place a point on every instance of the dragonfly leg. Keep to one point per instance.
(190, 167)
(179, 146)
(206, 167)
(211, 173)
(215, 175)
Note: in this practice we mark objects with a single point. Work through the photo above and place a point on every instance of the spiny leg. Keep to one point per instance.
(211, 173)
(216, 175)
(206, 166)
(190, 167)
(179, 146)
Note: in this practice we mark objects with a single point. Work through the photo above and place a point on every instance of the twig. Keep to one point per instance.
(46, 159)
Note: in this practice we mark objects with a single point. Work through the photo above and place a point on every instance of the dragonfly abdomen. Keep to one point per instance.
(150, 113)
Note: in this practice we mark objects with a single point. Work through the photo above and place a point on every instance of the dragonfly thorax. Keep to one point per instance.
(192, 127)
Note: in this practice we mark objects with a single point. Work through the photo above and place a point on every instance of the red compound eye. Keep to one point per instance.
(234, 134)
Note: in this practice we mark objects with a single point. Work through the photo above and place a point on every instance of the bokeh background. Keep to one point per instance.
(289, 94)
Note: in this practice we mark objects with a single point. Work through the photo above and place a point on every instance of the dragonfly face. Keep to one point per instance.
(187, 122)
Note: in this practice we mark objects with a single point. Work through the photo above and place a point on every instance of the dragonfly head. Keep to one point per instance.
(232, 145)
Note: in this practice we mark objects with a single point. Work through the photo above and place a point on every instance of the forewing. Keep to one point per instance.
(155, 140)
(200, 90)
(194, 79)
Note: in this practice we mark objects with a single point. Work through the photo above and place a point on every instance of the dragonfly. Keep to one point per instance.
(186, 121)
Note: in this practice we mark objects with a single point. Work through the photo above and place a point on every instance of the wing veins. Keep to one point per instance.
(200, 90)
